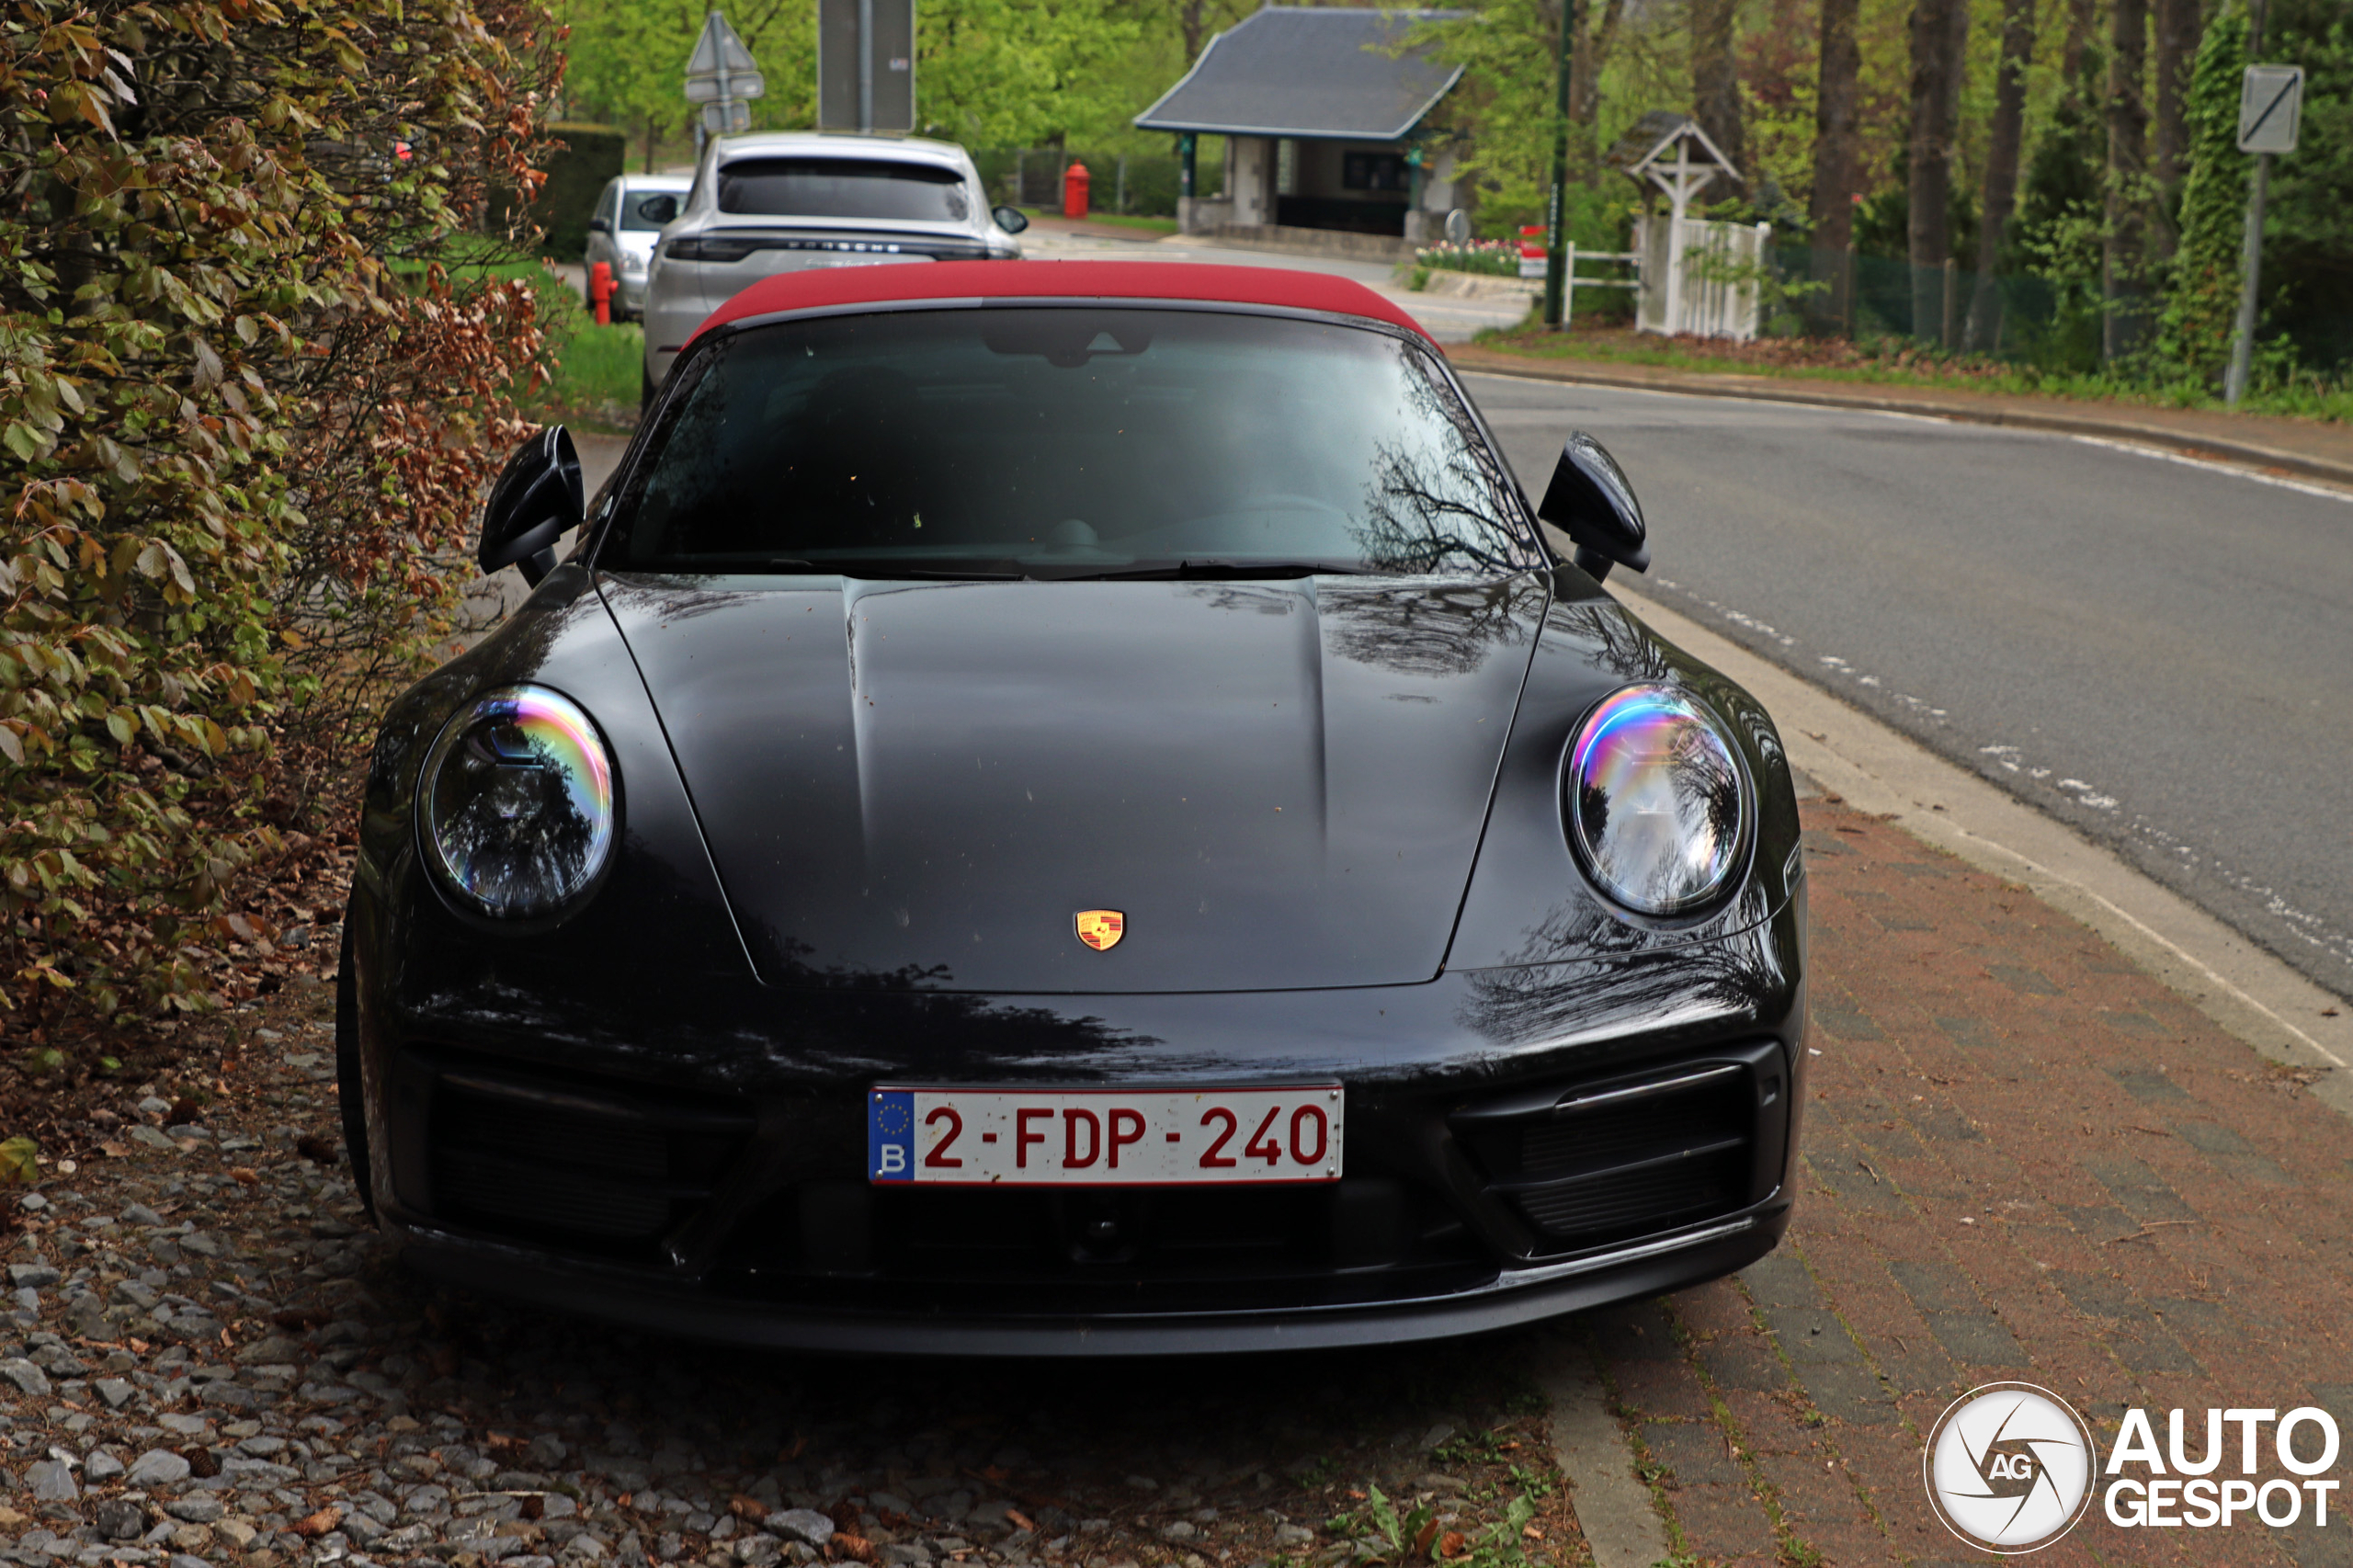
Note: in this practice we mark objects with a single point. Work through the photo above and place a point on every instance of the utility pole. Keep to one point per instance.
(1556, 257)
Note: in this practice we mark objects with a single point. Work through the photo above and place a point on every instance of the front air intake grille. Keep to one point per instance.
(577, 1167)
(1595, 1164)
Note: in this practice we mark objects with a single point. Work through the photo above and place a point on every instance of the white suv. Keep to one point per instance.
(787, 201)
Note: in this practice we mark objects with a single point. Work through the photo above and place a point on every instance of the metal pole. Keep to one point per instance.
(1556, 288)
(2251, 264)
(726, 97)
(866, 66)
(1952, 300)
(2251, 258)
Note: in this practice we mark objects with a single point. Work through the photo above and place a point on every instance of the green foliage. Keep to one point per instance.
(1383, 1535)
(577, 171)
(2307, 232)
(234, 449)
(2194, 331)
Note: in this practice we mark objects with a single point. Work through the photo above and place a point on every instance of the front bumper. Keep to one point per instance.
(697, 1169)
(944, 1328)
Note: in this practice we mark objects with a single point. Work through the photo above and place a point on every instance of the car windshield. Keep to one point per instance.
(1066, 442)
(842, 188)
(649, 210)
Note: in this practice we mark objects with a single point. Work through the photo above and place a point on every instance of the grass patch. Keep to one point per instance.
(1894, 361)
(1122, 219)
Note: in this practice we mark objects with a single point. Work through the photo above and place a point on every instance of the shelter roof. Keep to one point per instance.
(1652, 138)
(1316, 73)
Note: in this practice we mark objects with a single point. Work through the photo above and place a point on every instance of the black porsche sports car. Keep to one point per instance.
(1073, 808)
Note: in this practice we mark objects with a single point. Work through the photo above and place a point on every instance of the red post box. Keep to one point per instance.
(1075, 191)
(601, 291)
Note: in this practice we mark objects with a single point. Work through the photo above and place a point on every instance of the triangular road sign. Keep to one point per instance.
(719, 42)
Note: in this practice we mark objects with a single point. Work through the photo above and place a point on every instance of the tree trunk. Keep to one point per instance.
(1832, 208)
(2125, 243)
(1191, 17)
(2178, 29)
(1939, 35)
(2083, 21)
(1593, 53)
(2001, 170)
(1715, 80)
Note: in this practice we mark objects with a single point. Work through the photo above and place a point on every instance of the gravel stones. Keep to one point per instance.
(806, 1526)
(157, 1467)
(119, 1518)
(26, 1377)
(51, 1481)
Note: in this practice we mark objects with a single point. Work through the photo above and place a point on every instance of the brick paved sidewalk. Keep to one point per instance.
(2024, 1159)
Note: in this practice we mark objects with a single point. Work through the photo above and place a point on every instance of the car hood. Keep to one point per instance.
(1278, 785)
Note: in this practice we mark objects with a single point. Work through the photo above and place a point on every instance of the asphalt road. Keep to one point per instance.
(2157, 652)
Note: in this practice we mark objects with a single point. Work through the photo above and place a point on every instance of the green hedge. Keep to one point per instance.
(591, 154)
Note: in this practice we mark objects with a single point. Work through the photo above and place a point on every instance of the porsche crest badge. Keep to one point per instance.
(1101, 928)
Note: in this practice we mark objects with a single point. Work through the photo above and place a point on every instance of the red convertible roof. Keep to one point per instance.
(1061, 280)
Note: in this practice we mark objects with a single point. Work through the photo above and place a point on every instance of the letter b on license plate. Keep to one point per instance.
(1104, 1137)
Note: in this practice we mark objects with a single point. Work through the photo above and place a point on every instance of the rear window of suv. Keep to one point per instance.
(842, 188)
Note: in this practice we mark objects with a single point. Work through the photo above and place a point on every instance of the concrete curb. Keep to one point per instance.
(1614, 1507)
(1490, 362)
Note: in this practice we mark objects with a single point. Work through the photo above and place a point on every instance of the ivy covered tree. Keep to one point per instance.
(2203, 298)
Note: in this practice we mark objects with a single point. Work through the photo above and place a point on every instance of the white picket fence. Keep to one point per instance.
(1682, 292)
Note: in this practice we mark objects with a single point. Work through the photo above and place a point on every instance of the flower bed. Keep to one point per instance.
(1498, 258)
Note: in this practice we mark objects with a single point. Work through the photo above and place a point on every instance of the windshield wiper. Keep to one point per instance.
(1212, 568)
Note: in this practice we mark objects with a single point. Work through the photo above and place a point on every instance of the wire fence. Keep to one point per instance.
(1140, 185)
(2022, 317)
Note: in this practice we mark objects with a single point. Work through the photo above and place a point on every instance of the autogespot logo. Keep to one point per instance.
(2009, 1467)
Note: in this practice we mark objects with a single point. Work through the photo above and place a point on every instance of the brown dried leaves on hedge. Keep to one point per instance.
(245, 411)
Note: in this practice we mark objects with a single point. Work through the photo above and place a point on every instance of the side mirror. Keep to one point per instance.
(599, 226)
(1012, 220)
(1590, 501)
(537, 501)
(658, 209)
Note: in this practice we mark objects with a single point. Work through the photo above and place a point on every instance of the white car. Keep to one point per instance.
(624, 229)
(789, 201)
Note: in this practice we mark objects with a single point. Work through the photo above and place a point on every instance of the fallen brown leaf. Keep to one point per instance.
(535, 1508)
(1421, 1539)
(318, 1524)
(745, 1507)
(855, 1547)
(1021, 1520)
(1452, 1544)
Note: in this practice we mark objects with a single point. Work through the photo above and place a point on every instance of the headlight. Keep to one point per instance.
(516, 804)
(1656, 801)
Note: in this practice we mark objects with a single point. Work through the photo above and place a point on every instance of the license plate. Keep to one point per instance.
(1103, 1137)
